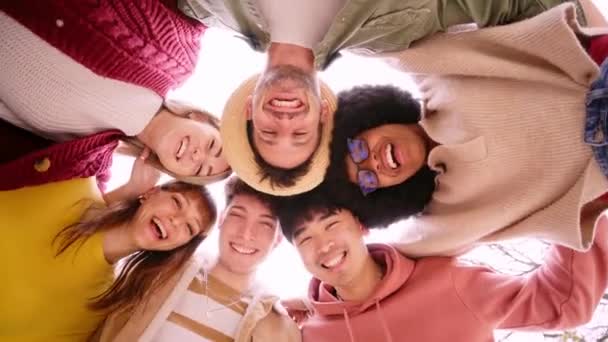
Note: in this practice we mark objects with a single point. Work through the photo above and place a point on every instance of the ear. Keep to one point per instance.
(364, 230)
(324, 111)
(248, 107)
(146, 195)
(198, 116)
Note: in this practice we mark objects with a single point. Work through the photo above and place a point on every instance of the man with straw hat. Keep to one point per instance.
(276, 125)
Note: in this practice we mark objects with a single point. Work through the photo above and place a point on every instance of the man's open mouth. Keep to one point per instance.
(242, 249)
(334, 261)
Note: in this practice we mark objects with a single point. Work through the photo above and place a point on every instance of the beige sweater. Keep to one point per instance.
(264, 320)
(507, 105)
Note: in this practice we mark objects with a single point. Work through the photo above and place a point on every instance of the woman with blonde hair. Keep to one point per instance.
(81, 69)
(62, 245)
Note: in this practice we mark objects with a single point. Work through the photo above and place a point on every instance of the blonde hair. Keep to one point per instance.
(131, 146)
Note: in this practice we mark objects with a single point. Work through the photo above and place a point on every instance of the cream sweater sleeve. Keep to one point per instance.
(54, 96)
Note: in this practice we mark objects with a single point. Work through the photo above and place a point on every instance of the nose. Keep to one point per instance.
(176, 221)
(371, 163)
(325, 246)
(197, 155)
(249, 231)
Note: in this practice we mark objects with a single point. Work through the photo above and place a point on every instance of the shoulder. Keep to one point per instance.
(276, 326)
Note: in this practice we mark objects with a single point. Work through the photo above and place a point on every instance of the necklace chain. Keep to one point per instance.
(208, 310)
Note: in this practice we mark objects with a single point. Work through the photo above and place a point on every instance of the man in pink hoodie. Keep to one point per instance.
(371, 292)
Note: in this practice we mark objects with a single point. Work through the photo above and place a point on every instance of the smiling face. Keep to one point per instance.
(396, 152)
(166, 220)
(248, 233)
(332, 248)
(286, 110)
(189, 146)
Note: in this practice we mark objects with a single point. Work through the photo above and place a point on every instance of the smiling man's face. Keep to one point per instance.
(248, 233)
(332, 248)
(286, 111)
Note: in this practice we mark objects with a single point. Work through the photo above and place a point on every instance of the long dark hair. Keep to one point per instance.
(142, 271)
(360, 109)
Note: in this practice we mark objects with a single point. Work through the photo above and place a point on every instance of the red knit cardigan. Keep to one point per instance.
(28, 160)
(145, 42)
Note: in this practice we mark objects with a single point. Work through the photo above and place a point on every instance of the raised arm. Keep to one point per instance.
(495, 12)
(143, 177)
(560, 294)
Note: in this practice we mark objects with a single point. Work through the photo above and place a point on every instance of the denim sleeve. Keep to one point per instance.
(496, 12)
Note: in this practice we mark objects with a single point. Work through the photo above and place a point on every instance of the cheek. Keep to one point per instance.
(351, 170)
(307, 256)
(259, 118)
(387, 181)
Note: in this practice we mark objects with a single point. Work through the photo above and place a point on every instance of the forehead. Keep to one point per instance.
(319, 220)
(251, 205)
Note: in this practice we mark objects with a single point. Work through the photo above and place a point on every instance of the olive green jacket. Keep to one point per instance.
(373, 26)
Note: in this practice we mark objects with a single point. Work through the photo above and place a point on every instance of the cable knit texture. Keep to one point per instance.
(508, 108)
(144, 42)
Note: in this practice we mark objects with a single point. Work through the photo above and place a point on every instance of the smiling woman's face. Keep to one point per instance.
(166, 220)
(396, 152)
(190, 147)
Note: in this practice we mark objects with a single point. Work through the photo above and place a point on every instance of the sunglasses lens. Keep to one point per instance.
(368, 181)
(357, 149)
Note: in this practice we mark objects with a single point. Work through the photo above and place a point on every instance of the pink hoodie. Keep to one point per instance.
(435, 299)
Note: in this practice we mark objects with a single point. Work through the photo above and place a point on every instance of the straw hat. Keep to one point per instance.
(239, 153)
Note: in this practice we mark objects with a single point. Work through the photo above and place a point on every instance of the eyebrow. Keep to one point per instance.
(198, 222)
(239, 207)
(268, 216)
(219, 151)
(302, 143)
(323, 217)
(298, 232)
(267, 142)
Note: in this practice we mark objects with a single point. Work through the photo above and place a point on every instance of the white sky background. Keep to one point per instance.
(224, 62)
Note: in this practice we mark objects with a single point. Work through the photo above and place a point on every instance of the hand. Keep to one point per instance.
(143, 175)
(296, 309)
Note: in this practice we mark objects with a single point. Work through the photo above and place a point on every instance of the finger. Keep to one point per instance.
(145, 153)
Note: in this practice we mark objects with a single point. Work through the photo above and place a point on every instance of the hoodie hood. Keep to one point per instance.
(398, 269)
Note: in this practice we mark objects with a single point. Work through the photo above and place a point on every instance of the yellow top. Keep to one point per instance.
(43, 297)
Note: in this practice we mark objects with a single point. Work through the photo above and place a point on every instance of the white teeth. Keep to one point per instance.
(335, 261)
(286, 103)
(243, 249)
(389, 156)
(182, 148)
(161, 229)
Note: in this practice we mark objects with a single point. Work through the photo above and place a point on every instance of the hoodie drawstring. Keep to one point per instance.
(348, 327)
(387, 332)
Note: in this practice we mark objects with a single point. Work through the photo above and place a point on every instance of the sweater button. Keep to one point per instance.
(42, 165)
(59, 23)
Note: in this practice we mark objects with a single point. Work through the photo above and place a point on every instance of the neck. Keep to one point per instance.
(148, 136)
(364, 284)
(237, 281)
(289, 54)
(117, 244)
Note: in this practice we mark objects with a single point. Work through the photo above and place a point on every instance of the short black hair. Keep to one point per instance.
(277, 176)
(359, 109)
(295, 210)
(235, 187)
